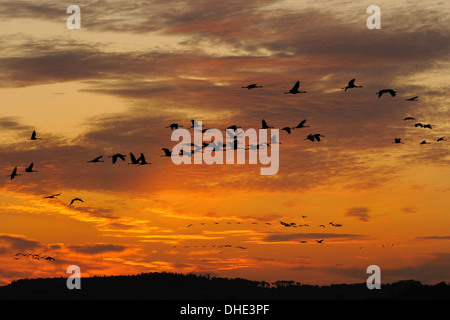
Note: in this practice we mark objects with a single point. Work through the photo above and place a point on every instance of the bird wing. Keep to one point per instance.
(264, 123)
(296, 86)
(133, 158)
(30, 167)
(33, 135)
(301, 123)
(351, 83)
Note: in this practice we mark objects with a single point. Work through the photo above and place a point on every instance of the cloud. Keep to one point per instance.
(97, 248)
(360, 213)
(17, 242)
(281, 237)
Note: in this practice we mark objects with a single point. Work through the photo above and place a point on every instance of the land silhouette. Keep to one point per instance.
(175, 286)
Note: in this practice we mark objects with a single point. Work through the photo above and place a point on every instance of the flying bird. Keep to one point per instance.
(424, 142)
(287, 129)
(294, 89)
(33, 136)
(75, 199)
(53, 196)
(351, 84)
(390, 91)
(319, 241)
(117, 156)
(413, 98)
(174, 126)
(264, 125)
(30, 168)
(301, 125)
(441, 139)
(133, 159)
(409, 118)
(252, 86)
(167, 152)
(142, 160)
(418, 124)
(397, 140)
(14, 173)
(96, 159)
(428, 126)
(314, 137)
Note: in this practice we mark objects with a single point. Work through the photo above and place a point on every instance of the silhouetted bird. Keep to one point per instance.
(428, 126)
(287, 129)
(167, 152)
(49, 258)
(142, 160)
(351, 84)
(301, 125)
(53, 196)
(14, 173)
(194, 124)
(117, 156)
(397, 140)
(413, 98)
(441, 139)
(264, 125)
(314, 137)
(390, 91)
(96, 159)
(319, 241)
(252, 86)
(174, 126)
(418, 124)
(322, 226)
(424, 142)
(133, 159)
(30, 168)
(75, 199)
(409, 118)
(33, 136)
(295, 88)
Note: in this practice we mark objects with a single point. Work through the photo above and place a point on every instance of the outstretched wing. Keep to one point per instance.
(296, 86)
(133, 158)
(351, 83)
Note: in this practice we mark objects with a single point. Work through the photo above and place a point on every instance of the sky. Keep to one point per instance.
(134, 68)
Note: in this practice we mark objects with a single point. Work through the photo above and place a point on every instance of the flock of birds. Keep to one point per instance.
(141, 160)
(34, 256)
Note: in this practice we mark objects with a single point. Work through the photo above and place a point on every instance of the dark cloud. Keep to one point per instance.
(279, 237)
(97, 248)
(360, 213)
(17, 242)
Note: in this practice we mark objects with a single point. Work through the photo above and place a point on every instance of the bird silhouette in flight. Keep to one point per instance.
(142, 160)
(441, 139)
(96, 159)
(117, 156)
(252, 86)
(383, 91)
(33, 136)
(351, 84)
(424, 142)
(53, 196)
(301, 125)
(295, 88)
(322, 226)
(418, 124)
(273, 140)
(75, 199)
(194, 124)
(314, 137)
(14, 173)
(413, 98)
(167, 152)
(304, 217)
(287, 129)
(320, 241)
(265, 125)
(49, 258)
(30, 168)
(397, 140)
(428, 126)
(174, 126)
(409, 118)
(133, 159)
(189, 225)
